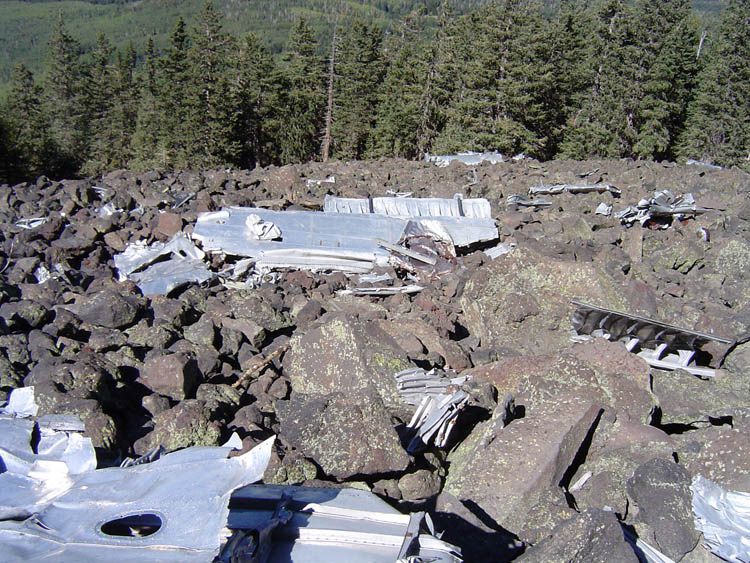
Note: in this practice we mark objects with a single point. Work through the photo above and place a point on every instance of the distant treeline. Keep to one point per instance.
(608, 79)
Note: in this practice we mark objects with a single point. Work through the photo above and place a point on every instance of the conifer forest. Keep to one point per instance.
(590, 79)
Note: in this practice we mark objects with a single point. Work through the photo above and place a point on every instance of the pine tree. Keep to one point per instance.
(124, 112)
(253, 92)
(443, 79)
(359, 71)
(64, 105)
(97, 100)
(667, 42)
(399, 113)
(145, 141)
(718, 123)
(301, 97)
(604, 124)
(211, 117)
(500, 101)
(172, 102)
(7, 154)
(573, 59)
(28, 127)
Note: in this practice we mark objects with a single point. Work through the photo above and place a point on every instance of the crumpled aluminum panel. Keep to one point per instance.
(411, 207)
(724, 519)
(309, 239)
(655, 338)
(336, 525)
(465, 221)
(143, 264)
(468, 158)
(180, 489)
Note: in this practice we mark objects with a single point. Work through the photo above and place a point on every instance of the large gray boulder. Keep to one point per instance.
(349, 356)
(594, 536)
(521, 300)
(173, 375)
(347, 436)
(660, 489)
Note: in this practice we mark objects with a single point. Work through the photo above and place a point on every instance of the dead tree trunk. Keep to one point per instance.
(326, 146)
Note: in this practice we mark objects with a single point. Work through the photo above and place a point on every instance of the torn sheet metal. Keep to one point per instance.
(21, 403)
(312, 183)
(662, 345)
(315, 524)
(439, 400)
(574, 189)
(375, 277)
(309, 240)
(604, 209)
(382, 291)
(108, 210)
(147, 267)
(693, 162)
(258, 229)
(660, 209)
(142, 512)
(466, 221)
(469, 158)
(396, 193)
(724, 519)
(500, 250)
(31, 223)
(514, 201)
(411, 207)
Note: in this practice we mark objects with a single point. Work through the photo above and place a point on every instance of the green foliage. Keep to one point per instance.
(254, 92)
(210, 120)
(301, 98)
(359, 71)
(64, 102)
(399, 129)
(499, 91)
(669, 38)
(27, 127)
(607, 79)
(718, 123)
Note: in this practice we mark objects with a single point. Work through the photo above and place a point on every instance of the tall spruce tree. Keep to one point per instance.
(7, 156)
(573, 58)
(359, 71)
(64, 102)
(28, 127)
(211, 117)
(443, 78)
(301, 97)
(399, 114)
(124, 111)
(172, 102)
(253, 92)
(499, 102)
(604, 123)
(145, 141)
(718, 123)
(97, 100)
(667, 43)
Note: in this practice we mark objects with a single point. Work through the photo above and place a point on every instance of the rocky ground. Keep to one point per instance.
(562, 442)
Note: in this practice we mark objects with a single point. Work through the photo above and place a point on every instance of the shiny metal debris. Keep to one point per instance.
(660, 209)
(723, 517)
(468, 158)
(574, 189)
(439, 400)
(662, 345)
(160, 268)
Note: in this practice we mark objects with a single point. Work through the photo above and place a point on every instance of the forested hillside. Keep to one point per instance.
(594, 79)
(26, 27)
